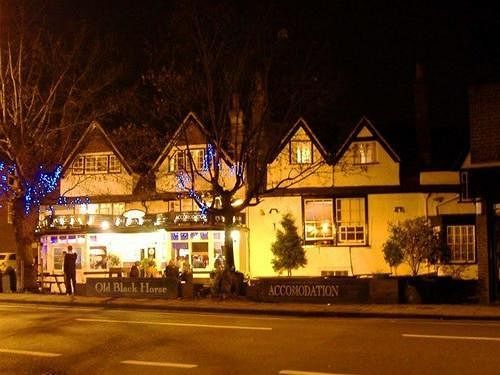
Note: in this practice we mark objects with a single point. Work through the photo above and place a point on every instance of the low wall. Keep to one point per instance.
(130, 287)
(310, 289)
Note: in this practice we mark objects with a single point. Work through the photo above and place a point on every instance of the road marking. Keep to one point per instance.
(222, 315)
(175, 324)
(293, 372)
(159, 364)
(29, 352)
(453, 337)
(468, 323)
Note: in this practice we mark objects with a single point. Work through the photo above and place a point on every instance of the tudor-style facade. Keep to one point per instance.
(102, 213)
(344, 210)
(342, 205)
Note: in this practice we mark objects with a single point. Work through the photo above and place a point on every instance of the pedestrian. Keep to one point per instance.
(172, 271)
(134, 270)
(70, 270)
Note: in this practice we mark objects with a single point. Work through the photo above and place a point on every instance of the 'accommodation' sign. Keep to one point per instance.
(304, 290)
(313, 289)
(131, 287)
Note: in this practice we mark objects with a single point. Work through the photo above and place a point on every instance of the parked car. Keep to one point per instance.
(7, 261)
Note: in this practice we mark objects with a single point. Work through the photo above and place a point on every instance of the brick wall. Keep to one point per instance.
(484, 111)
(482, 257)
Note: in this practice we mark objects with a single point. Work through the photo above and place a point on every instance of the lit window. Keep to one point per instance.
(198, 158)
(101, 164)
(351, 220)
(96, 164)
(78, 165)
(114, 164)
(105, 208)
(461, 242)
(364, 153)
(90, 164)
(318, 219)
(300, 152)
(177, 161)
(180, 160)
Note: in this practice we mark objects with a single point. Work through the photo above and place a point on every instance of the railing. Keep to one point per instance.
(103, 222)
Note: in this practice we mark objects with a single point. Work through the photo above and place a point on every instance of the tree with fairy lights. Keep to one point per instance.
(50, 84)
(237, 77)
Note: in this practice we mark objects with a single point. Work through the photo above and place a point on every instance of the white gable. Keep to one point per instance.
(365, 132)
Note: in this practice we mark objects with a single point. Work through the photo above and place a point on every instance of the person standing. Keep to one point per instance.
(70, 270)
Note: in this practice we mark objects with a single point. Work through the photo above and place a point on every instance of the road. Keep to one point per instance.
(36, 339)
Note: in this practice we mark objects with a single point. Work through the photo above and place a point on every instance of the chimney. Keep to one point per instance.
(422, 118)
(236, 126)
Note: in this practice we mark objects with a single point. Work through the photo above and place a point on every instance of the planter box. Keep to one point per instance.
(384, 290)
(131, 287)
(310, 289)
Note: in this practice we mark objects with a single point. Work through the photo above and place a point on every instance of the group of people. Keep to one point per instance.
(179, 268)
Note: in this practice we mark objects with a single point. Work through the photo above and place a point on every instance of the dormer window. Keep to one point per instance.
(180, 160)
(300, 152)
(364, 153)
(176, 162)
(78, 165)
(96, 164)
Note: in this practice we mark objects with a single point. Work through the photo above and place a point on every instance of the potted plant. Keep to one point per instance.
(148, 267)
(114, 263)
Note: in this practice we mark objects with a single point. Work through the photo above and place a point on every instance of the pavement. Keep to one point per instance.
(244, 306)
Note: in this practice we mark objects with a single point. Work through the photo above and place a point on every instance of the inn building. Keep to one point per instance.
(106, 211)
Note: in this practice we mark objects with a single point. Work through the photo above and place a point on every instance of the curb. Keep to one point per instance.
(253, 311)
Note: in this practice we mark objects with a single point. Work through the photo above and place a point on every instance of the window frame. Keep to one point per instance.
(357, 155)
(352, 229)
(293, 159)
(330, 238)
(114, 165)
(96, 164)
(78, 165)
(451, 232)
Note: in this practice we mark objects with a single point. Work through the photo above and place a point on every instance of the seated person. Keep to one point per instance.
(134, 270)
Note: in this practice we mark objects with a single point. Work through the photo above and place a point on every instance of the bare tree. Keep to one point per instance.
(235, 73)
(49, 84)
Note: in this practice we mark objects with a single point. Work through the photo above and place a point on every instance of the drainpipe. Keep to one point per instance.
(427, 205)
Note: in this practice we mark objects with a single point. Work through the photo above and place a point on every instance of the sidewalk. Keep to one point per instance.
(244, 306)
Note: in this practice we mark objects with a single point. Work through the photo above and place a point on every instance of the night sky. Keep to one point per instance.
(368, 49)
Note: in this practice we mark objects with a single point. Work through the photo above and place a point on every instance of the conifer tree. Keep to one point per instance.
(287, 249)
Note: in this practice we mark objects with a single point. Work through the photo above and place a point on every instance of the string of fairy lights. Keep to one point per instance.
(44, 183)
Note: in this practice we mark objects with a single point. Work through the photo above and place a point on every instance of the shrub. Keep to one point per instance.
(414, 242)
(287, 250)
